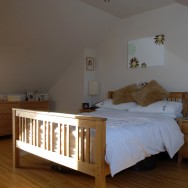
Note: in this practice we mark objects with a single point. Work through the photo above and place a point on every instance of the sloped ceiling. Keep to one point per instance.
(126, 8)
(40, 38)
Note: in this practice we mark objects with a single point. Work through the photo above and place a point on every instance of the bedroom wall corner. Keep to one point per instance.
(89, 75)
(67, 93)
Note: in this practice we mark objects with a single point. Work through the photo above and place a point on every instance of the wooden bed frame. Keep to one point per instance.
(27, 122)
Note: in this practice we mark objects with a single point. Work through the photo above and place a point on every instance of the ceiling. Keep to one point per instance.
(126, 8)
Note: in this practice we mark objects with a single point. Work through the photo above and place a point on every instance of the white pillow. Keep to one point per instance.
(108, 104)
(163, 107)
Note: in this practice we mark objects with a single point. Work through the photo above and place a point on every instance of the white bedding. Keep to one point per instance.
(130, 137)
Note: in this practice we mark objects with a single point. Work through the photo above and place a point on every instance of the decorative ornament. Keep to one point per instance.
(159, 39)
(134, 63)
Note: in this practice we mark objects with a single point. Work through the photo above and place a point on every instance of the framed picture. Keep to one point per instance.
(146, 52)
(30, 95)
(89, 63)
(43, 97)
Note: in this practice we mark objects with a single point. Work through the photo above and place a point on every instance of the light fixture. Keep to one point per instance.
(93, 89)
(106, 1)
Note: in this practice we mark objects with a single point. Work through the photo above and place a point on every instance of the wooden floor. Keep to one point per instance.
(36, 173)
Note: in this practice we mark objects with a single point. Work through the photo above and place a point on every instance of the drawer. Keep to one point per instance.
(6, 108)
(5, 125)
(42, 105)
(6, 112)
(185, 127)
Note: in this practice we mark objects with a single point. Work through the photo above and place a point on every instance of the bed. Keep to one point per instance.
(48, 135)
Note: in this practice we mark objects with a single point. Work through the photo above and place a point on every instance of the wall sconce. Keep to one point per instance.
(93, 89)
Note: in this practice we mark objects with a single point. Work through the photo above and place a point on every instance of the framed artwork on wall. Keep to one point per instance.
(30, 95)
(146, 52)
(89, 63)
(43, 97)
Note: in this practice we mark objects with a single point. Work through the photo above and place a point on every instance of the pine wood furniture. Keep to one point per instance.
(6, 112)
(86, 110)
(183, 152)
(27, 122)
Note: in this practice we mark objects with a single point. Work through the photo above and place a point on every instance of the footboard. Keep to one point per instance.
(75, 141)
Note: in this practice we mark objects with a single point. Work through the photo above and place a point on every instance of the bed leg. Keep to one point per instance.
(16, 157)
(100, 178)
(100, 181)
(179, 156)
(15, 137)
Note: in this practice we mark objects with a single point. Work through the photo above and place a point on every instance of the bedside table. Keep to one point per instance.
(183, 152)
(86, 110)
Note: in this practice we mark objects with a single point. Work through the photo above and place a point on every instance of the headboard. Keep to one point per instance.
(173, 96)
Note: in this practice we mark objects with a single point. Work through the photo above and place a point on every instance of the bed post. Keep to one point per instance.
(100, 178)
(185, 104)
(15, 133)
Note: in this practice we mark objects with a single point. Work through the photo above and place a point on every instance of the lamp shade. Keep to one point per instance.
(93, 88)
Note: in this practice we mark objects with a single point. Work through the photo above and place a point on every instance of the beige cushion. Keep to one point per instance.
(124, 94)
(150, 93)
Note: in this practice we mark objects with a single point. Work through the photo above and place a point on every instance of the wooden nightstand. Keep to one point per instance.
(183, 152)
(86, 110)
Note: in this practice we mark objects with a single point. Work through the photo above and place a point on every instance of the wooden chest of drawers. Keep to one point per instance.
(183, 152)
(6, 112)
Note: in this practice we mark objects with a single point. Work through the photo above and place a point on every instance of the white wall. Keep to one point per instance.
(68, 92)
(71, 90)
(111, 55)
(39, 39)
(111, 59)
(88, 75)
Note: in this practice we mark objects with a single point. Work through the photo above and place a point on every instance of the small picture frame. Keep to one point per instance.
(43, 97)
(85, 105)
(30, 95)
(89, 63)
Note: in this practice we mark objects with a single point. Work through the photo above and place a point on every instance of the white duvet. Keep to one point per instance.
(130, 137)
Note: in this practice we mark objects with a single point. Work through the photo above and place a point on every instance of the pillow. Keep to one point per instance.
(149, 93)
(123, 95)
(170, 108)
(107, 104)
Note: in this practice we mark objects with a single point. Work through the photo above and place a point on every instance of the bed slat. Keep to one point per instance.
(87, 145)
